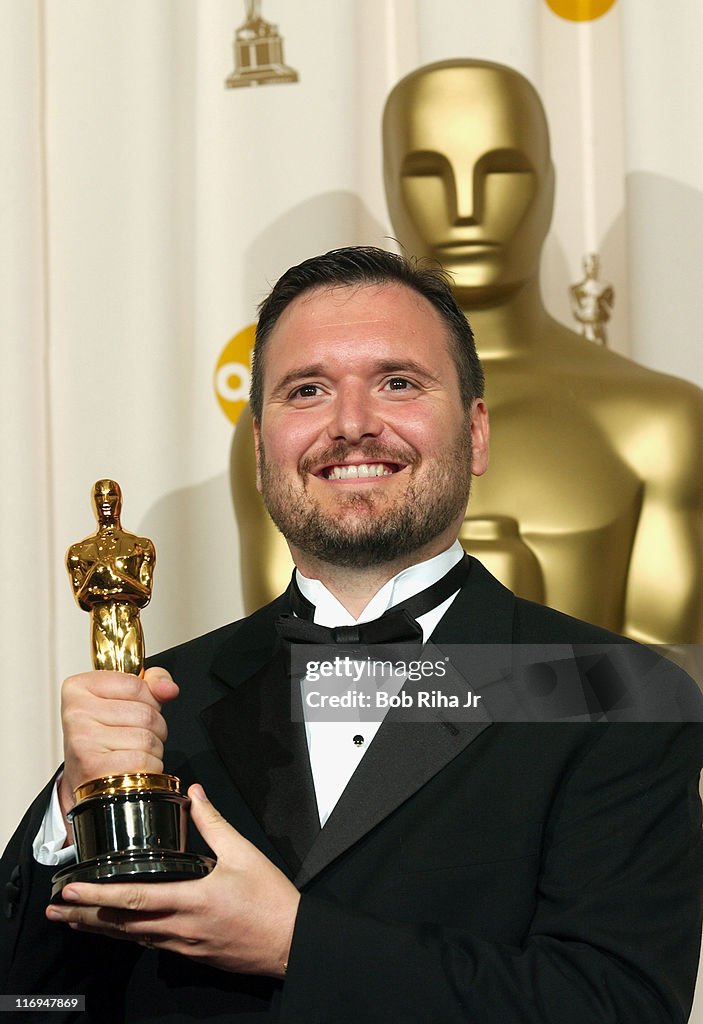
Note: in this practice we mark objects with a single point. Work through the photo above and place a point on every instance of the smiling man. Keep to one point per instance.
(366, 443)
(374, 868)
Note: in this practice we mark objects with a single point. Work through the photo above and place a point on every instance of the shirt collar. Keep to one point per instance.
(407, 583)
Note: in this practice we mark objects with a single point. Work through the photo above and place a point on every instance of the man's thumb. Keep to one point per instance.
(207, 819)
(161, 686)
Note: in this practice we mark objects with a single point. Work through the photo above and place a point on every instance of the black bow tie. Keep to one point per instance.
(397, 625)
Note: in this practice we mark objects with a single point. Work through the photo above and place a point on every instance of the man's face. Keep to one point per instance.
(365, 450)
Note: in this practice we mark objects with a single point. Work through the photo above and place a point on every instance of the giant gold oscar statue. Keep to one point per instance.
(132, 826)
(596, 462)
(593, 500)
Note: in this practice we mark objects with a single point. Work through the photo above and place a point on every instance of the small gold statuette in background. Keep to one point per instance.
(592, 301)
(258, 52)
(129, 827)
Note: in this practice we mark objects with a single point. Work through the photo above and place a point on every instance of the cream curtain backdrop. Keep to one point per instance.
(145, 209)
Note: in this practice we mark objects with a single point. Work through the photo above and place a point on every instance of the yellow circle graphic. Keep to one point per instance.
(233, 373)
(580, 10)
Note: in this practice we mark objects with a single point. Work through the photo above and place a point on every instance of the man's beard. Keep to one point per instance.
(364, 528)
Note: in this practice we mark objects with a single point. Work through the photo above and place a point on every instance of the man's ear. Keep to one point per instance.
(257, 451)
(480, 436)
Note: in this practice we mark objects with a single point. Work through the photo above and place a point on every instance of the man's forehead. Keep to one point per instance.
(344, 320)
(387, 321)
(326, 321)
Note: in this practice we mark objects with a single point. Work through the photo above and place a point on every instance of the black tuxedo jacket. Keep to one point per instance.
(476, 871)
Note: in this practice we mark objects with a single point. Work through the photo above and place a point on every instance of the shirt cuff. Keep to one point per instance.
(48, 846)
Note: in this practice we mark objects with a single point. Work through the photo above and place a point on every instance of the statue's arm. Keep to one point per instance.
(146, 569)
(137, 577)
(80, 564)
(664, 599)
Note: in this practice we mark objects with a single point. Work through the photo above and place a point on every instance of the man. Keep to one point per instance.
(442, 870)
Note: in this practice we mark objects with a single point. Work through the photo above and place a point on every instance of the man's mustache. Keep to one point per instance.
(372, 451)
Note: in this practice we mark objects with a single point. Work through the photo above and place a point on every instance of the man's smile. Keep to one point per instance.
(359, 471)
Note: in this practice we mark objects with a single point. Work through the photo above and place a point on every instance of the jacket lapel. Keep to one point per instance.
(483, 612)
(406, 754)
(263, 748)
(403, 756)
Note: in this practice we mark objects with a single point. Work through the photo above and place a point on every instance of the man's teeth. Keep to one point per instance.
(364, 470)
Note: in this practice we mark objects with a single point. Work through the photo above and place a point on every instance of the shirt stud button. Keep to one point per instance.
(358, 740)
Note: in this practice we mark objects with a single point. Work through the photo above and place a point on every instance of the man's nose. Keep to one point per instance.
(354, 415)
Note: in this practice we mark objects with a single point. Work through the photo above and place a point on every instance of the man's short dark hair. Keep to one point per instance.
(366, 265)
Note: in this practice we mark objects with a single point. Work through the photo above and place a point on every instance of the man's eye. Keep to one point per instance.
(306, 391)
(398, 384)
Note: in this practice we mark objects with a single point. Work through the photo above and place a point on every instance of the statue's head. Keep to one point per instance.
(108, 500)
(468, 173)
(591, 265)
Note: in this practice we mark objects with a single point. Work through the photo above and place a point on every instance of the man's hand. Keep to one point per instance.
(112, 724)
(239, 918)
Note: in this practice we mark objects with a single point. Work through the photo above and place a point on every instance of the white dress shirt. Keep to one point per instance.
(334, 747)
(334, 753)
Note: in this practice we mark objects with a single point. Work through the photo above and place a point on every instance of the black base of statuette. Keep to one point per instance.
(133, 866)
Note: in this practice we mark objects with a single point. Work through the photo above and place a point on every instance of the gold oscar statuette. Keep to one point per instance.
(129, 827)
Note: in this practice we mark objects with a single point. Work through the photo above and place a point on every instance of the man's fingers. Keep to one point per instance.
(130, 897)
(144, 748)
(111, 686)
(112, 725)
(110, 714)
(160, 684)
(128, 901)
(102, 909)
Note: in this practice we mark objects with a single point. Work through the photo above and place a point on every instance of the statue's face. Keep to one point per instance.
(591, 265)
(108, 500)
(469, 179)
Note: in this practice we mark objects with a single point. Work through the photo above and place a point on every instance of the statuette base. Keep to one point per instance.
(261, 76)
(134, 866)
(131, 828)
